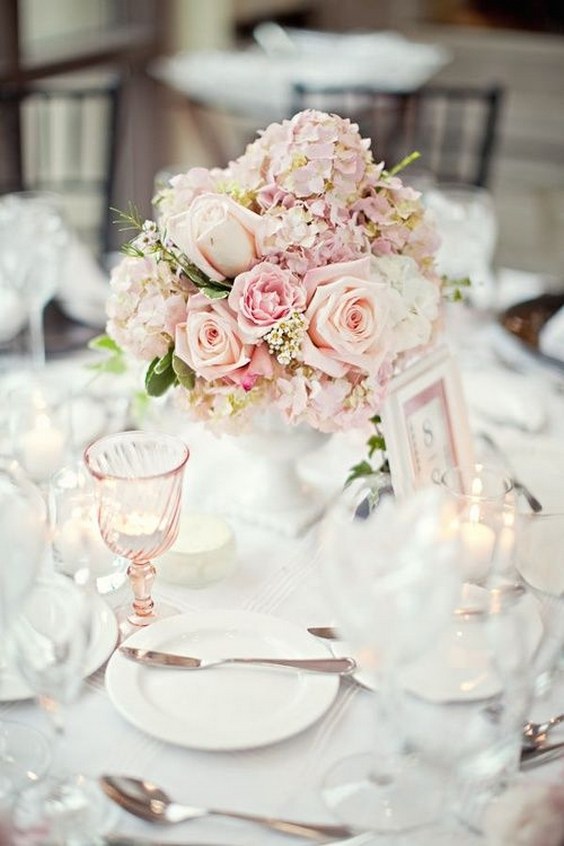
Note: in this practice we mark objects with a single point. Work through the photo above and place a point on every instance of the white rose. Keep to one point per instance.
(217, 234)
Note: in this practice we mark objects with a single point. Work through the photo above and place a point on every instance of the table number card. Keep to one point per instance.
(425, 422)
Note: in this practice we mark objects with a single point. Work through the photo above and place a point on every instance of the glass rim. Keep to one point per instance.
(476, 469)
(128, 435)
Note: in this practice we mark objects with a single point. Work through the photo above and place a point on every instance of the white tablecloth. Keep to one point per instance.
(282, 576)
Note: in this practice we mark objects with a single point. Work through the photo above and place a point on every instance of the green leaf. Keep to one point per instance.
(214, 293)
(164, 363)
(140, 403)
(104, 342)
(158, 381)
(363, 468)
(375, 443)
(114, 362)
(115, 365)
(184, 374)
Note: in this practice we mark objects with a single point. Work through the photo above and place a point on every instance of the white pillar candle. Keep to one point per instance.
(478, 541)
(41, 449)
(78, 541)
(203, 552)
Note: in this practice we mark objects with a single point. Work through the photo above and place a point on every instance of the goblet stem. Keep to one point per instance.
(141, 578)
(390, 740)
(36, 335)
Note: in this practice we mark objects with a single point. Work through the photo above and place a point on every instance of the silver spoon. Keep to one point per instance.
(146, 800)
(535, 734)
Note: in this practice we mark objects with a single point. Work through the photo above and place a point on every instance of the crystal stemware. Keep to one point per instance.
(33, 237)
(138, 479)
(539, 557)
(393, 584)
(49, 642)
(23, 535)
(467, 222)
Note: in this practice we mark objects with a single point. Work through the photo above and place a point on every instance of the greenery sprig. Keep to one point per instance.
(375, 443)
(452, 288)
(401, 165)
(148, 241)
(114, 361)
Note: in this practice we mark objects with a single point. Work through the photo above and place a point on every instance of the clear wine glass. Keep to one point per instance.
(138, 479)
(467, 222)
(392, 580)
(23, 535)
(539, 555)
(33, 239)
(49, 642)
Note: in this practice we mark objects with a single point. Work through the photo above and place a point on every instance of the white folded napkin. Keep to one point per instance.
(504, 398)
(84, 286)
(551, 336)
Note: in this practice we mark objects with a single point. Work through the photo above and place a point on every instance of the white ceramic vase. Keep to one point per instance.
(269, 490)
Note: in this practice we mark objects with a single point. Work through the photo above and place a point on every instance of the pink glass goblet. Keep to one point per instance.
(138, 479)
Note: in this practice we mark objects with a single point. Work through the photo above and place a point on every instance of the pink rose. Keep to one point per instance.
(209, 341)
(347, 317)
(263, 297)
(217, 234)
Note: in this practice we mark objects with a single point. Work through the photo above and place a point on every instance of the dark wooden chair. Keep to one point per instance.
(61, 136)
(453, 128)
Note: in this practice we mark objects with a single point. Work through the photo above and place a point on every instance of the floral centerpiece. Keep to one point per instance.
(299, 278)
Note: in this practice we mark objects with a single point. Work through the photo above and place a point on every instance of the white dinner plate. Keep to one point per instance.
(458, 668)
(228, 707)
(104, 638)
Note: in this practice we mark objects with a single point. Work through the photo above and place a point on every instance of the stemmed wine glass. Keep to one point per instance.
(33, 237)
(49, 642)
(393, 584)
(23, 535)
(24, 752)
(138, 478)
(467, 223)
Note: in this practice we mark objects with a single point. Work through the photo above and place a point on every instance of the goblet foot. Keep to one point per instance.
(63, 810)
(25, 756)
(407, 798)
(130, 622)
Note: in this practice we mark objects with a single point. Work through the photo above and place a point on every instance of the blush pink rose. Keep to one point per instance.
(347, 316)
(264, 296)
(209, 340)
(217, 234)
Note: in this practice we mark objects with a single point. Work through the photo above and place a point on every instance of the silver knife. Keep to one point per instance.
(517, 483)
(541, 755)
(339, 666)
(128, 840)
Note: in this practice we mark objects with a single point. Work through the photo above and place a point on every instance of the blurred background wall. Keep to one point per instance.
(518, 45)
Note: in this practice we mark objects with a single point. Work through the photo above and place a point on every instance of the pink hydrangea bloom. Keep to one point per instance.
(146, 303)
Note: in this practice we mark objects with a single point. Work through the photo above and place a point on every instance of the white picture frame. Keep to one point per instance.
(425, 422)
